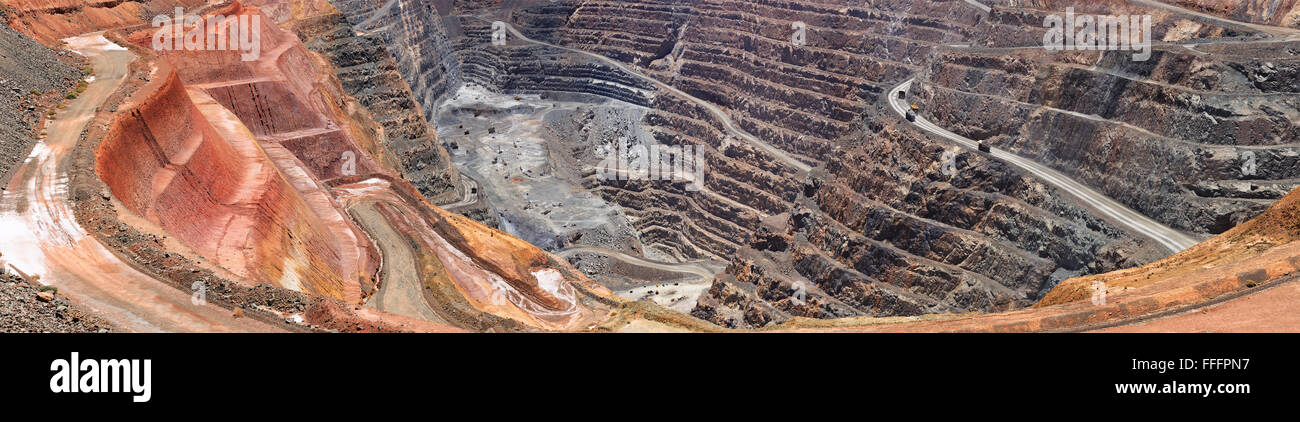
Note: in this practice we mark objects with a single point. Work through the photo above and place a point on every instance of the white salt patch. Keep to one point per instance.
(548, 280)
(87, 43)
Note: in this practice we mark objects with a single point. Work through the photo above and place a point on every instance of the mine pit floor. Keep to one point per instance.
(520, 150)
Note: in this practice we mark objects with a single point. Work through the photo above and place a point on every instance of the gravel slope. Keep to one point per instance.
(22, 310)
(26, 68)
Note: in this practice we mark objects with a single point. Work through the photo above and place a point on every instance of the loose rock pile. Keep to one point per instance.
(29, 73)
(25, 308)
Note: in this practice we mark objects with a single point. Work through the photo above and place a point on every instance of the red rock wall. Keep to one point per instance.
(264, 135)
(164, 161)
(262, 105)
(323, 154)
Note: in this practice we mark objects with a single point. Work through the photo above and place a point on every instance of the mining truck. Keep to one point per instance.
(911, 113)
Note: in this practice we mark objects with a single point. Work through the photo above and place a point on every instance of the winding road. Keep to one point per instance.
(1167, 237)
(1171, 239)
(401, 291)
(980, 6)
(468, 194)
(40, 234)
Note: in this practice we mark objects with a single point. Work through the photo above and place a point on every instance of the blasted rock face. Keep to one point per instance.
(887, 232)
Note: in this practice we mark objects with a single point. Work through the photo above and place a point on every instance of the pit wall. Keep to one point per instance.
(164, 161)
(467, 256)
(186, 162)
(805, 101)
(326, 121)
(369, 74)
(1165, 136)
(1260, 251)
(220, 134)
(1269, 12)
(101, 215)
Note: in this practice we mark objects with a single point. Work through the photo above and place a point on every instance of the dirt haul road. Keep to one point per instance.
(400, 292)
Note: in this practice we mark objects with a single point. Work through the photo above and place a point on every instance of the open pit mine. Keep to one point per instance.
(649, 165)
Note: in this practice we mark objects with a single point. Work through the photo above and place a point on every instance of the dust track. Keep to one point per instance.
(400, 292)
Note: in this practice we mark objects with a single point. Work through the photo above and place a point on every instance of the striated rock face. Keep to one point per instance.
(1271, 12)
(1199, 137)
(876, 229)
(906, 244)
(819, 199)
(205, 154)
(1261, 250)
(258, 176)
(302, 168)
(369, 74)
(416, 37)
(209, 153)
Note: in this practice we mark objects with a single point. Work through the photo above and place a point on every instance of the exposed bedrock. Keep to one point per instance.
(876, 229)
(1022, 24)
(1195, 141)
(1271, 12)
(166, 162)
(417, 39)
(820, 200)
(368, 73)
(887, 242)
(207, 154)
